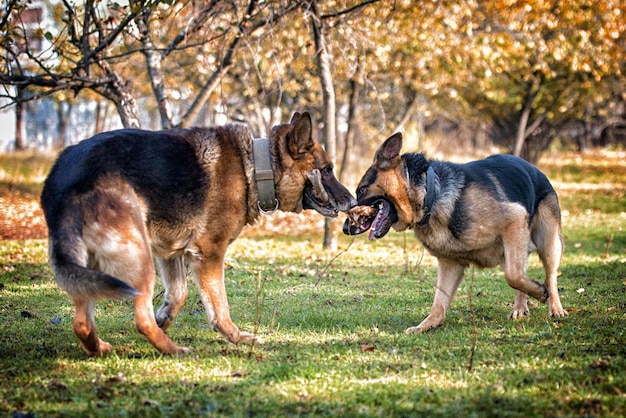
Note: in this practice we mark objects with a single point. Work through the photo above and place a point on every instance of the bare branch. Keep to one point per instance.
(348, 10)
(196, 24)
(90, 54)
(244, 29)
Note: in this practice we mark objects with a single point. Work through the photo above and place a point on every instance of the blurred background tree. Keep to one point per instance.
(514, 74)
(469, 77)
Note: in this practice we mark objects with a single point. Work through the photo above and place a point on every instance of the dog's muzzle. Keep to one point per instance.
(377, 217)
(315, 196)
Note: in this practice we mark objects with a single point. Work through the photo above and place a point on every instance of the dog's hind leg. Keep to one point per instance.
(515, 239)
(546, 234)
(116, 238)
(85, 328)
(175, 282)
(145, 320)
(139, 270)
(449, 277)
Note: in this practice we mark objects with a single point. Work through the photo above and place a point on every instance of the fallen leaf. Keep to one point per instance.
(367, 347)
(239, 373)
(117, 378)
(599, 364)
(21, 216)
(56, 385)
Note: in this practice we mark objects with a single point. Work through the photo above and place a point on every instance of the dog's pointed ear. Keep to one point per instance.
(295, 118)
(389, 152)
(300, 139)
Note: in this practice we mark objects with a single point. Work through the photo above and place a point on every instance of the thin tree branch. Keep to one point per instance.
(348, 10)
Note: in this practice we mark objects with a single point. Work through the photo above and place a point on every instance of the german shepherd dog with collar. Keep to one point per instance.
(487, 213)
(118, 199)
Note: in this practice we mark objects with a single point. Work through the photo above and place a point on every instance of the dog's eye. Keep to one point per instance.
(361, 191)
(327, 170)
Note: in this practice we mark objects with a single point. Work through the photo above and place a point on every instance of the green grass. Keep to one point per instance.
(588, 182)
(334, 332)
(24, 171)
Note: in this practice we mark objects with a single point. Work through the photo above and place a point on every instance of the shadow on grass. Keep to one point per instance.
(334, 349)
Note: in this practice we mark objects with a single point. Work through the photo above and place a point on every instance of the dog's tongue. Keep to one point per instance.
(373, 230)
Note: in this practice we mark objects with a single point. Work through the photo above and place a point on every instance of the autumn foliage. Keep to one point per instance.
(21, 216)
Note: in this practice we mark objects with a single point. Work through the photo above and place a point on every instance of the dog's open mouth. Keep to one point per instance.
(312, 200)
(377, 217)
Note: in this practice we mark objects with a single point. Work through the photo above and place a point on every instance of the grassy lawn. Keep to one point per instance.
(334, 322)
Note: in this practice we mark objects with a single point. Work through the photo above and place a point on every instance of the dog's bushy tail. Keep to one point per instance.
(83, 282)
(68, 257)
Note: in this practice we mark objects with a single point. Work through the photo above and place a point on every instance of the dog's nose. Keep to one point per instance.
(347, 202)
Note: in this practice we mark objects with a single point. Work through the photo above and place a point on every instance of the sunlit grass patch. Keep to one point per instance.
(334, 323)
(25, 171)
(593, 181)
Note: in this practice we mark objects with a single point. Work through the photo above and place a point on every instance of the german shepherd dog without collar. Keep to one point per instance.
(486, 213)
(115, 201)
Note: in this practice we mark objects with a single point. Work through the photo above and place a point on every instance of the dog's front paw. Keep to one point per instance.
(519, 313)
(103, 348)
(180, 351)
(413, 330)
(249, 338)
(419, 329)
(432, 321)
(557, 313)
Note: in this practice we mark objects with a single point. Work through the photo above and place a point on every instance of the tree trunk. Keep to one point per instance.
(411, 143)
(408, 112)
(331, 231)
(19, 120)
(65, 108)
(586, 138)
(155, 70)
(520, 137)
(127, 109)
(420, 130)
(120, 94)
(523, 131)
(353, 112)
(99, 125)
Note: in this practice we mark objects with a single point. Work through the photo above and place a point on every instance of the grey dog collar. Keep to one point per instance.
(264, 176)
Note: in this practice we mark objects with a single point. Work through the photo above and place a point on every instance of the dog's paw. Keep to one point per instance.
(103, 349)
(558, 313)
(419, 329)
(181, 351)
(519, 313)
(431, 322)
(249, 338)
(413, 330)
(164, 319)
